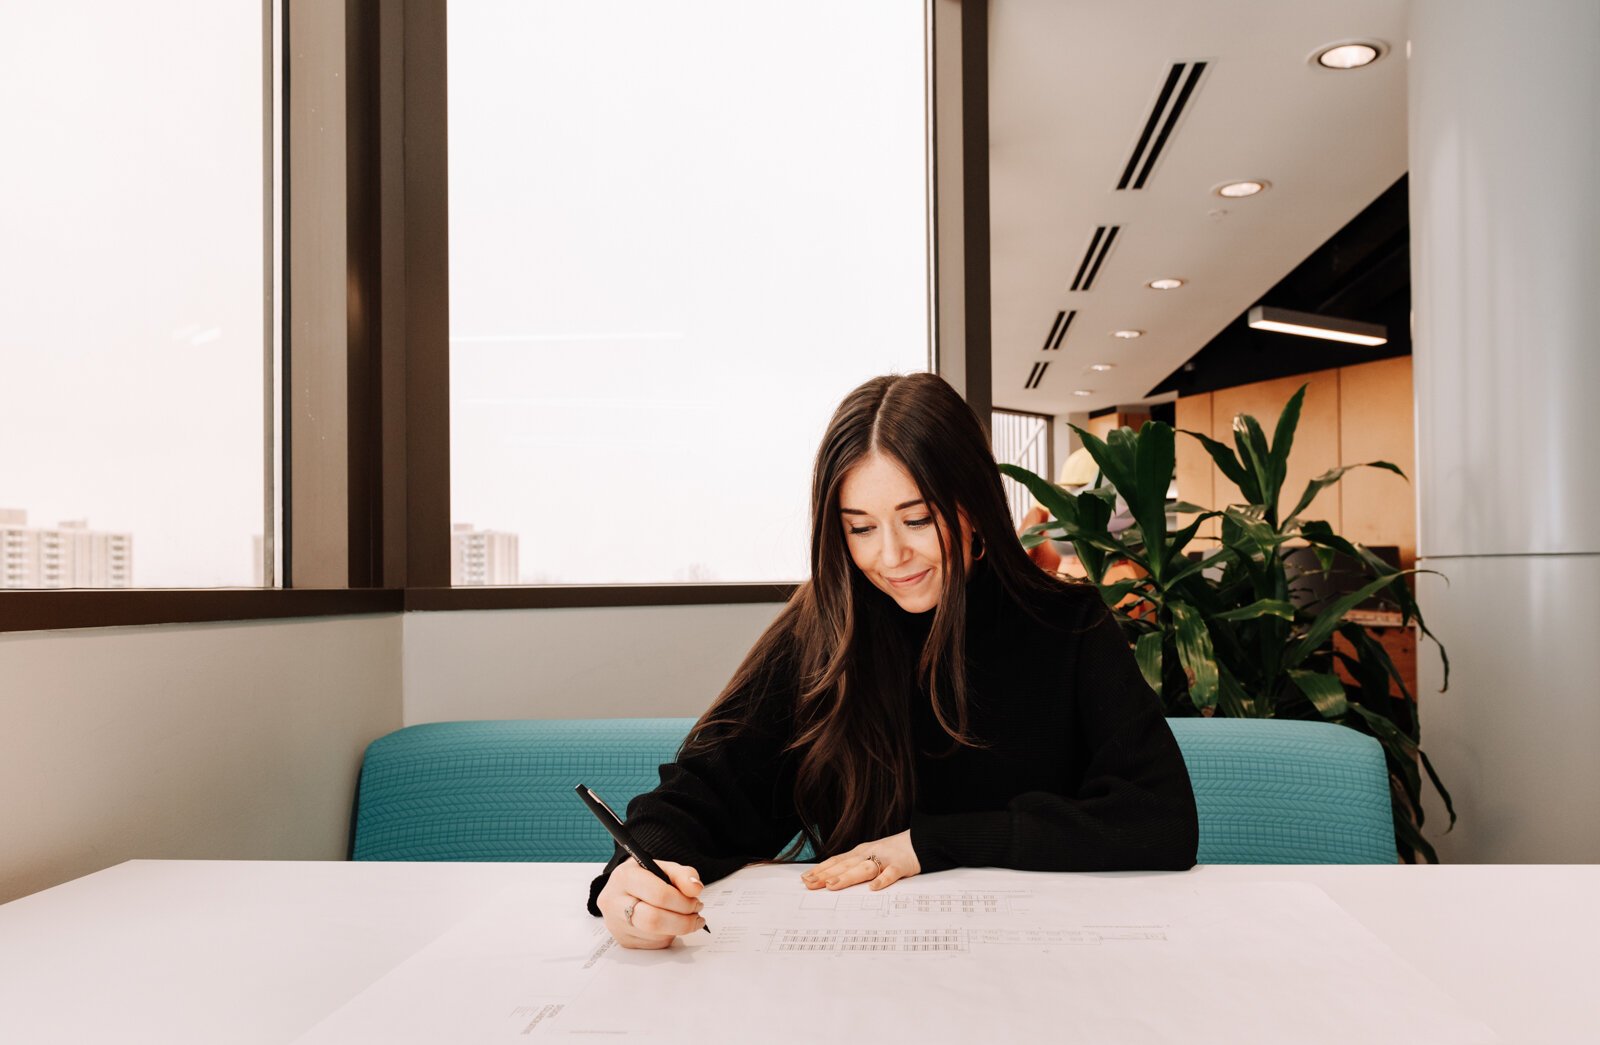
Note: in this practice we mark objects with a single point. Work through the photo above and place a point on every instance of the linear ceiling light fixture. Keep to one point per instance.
(1309, 324)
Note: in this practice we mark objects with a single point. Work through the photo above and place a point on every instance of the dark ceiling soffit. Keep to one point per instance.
(1362, 272)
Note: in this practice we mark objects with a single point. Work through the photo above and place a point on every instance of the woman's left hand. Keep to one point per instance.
(882, 863)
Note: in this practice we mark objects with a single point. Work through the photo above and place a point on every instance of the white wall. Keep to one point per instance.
(237, 740)
(574, 663)
(1503, 98)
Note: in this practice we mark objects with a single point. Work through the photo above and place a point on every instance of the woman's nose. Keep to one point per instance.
(894, 548)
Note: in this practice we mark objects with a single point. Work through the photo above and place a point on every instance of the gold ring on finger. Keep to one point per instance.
(627, 913)
(876, 862)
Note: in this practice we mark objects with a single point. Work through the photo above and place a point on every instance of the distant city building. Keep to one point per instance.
(482, 556)
(66, 556)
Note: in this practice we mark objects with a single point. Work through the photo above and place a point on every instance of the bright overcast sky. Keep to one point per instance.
(679, 234)
(131, 340)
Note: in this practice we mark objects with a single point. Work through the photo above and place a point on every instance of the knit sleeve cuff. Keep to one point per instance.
(600, 882)
(961, 839)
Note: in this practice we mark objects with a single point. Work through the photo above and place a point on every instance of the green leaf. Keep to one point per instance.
(1325, 692)
(1391, 735)
(1060, 504)
(1283, 438)
(1195, 654)
(1147, 651)
(1327, 479)
(1094, 508)
(1257, 458)
(1253, 539)
(1180, 541)
(1323, 627)
(1259, 608)
(1232, 700)
(1408, 833)
(1400, 592)
(1154, 461)
(1116, 591)
(1114, 455)
(1197, 566)
(1227, 463)
(1438, 785)
(1368, 648)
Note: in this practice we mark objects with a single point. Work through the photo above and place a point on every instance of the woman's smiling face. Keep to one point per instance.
(893, 534)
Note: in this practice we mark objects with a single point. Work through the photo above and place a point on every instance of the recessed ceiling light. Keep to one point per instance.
(1164, 284)
(1101, 367)
(1238, 190)
(1351, 54)
(1127, 335)
(1083, 391)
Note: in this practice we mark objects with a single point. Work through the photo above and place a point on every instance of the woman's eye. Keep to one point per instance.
(919, 523)
(859, 530)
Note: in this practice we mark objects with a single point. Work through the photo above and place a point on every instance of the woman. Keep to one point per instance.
(929, 699)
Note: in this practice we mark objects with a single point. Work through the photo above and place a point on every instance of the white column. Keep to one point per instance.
(1505, 227)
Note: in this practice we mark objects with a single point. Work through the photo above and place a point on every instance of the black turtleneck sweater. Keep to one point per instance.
(1080, 772)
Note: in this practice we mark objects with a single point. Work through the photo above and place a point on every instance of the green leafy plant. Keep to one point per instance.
(1212, 621)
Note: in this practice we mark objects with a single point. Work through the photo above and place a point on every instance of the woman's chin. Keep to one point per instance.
(920, 599)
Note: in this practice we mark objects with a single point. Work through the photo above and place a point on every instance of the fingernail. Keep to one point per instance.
(694, 881)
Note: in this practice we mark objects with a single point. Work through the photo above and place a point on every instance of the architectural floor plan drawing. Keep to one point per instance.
(970, 954)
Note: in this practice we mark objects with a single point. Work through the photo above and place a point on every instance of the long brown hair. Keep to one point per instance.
(845, 640)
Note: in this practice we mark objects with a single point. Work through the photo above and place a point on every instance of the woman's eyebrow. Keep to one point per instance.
(898, 507)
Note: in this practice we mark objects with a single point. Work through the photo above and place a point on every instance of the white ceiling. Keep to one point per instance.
(1071, 84)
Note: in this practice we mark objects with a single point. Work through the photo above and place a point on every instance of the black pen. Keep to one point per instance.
(612, 823)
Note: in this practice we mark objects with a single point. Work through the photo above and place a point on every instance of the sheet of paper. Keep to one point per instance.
(498, 975)
(963, 955)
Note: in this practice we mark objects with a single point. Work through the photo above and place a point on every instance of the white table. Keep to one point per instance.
(198, 951)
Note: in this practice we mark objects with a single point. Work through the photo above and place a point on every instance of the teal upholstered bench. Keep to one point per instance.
(1267, 791)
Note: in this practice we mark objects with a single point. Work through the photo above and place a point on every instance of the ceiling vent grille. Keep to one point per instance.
(1058, 331)
(1095, 256)
(1176, 90)
(1036, 375)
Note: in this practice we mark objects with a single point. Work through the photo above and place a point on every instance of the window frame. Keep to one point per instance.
(365, 491)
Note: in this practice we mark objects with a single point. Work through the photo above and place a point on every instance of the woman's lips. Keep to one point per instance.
(909, 581)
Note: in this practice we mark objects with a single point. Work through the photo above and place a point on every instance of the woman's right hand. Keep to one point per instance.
(660, 911)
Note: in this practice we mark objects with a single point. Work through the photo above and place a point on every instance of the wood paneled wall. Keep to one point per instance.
(1350, 415)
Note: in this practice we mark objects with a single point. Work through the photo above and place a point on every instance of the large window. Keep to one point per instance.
(679, 233)
(1024, 440)
(134, 306)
